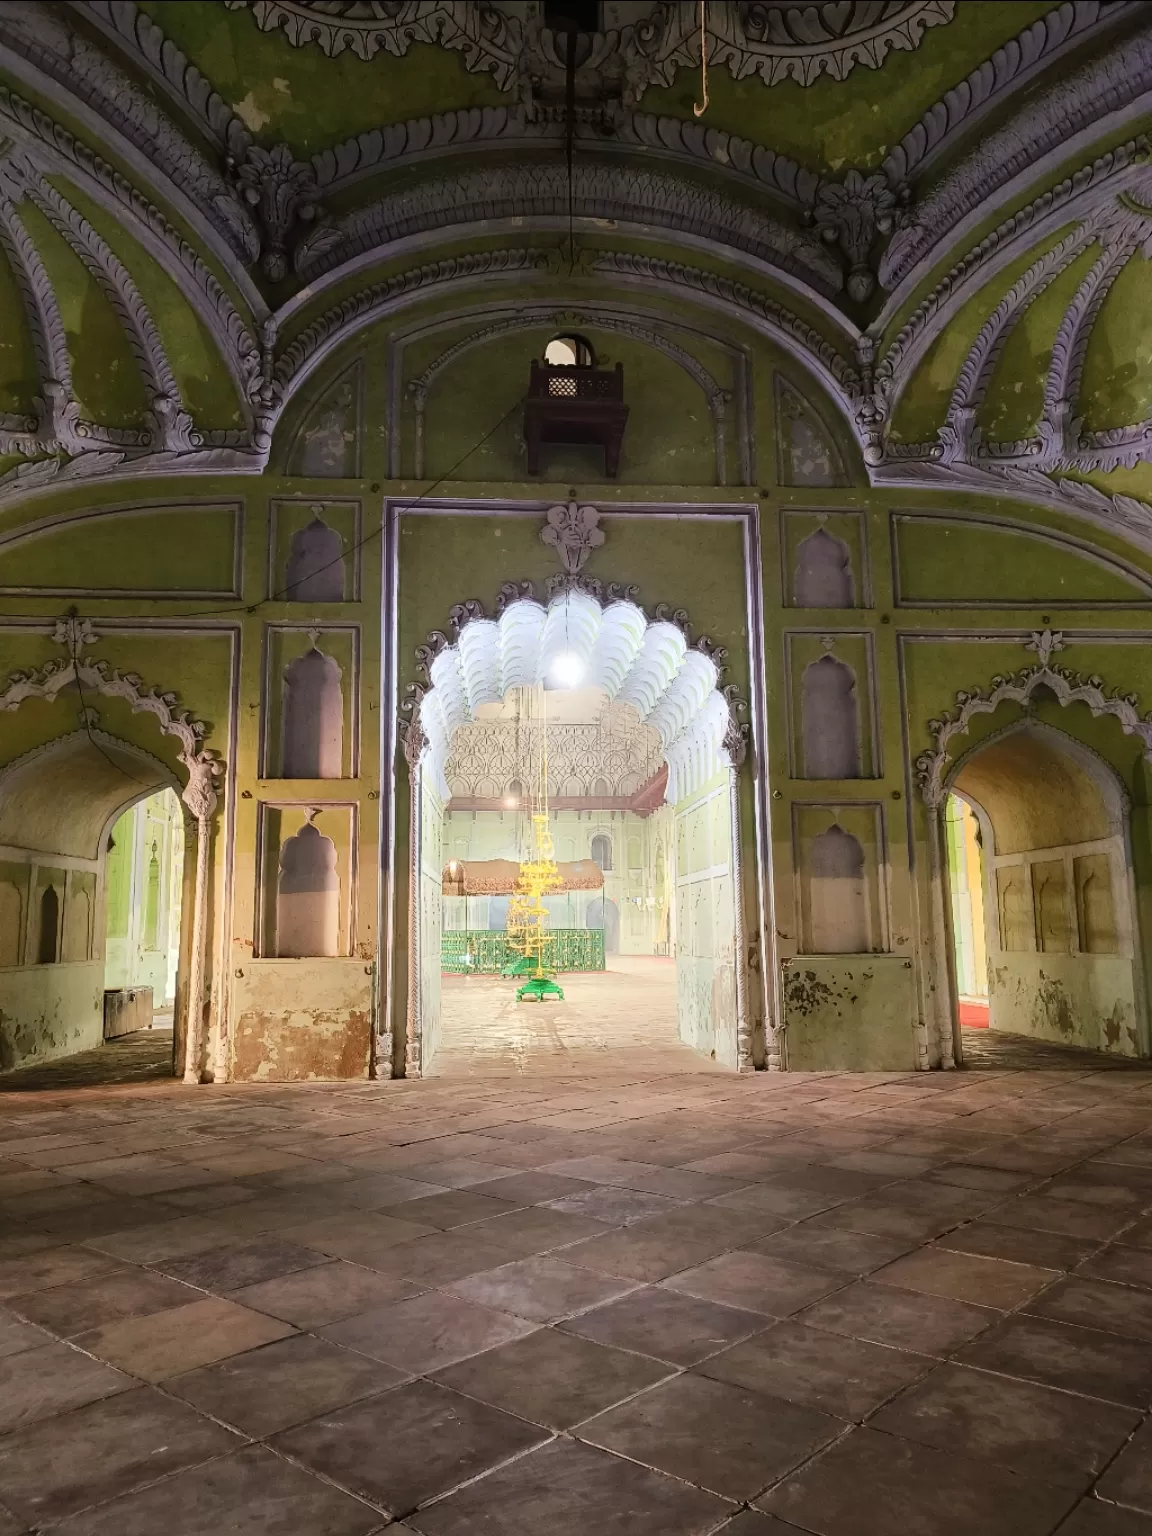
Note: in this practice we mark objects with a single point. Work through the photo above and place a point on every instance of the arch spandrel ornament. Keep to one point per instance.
(1018, 687)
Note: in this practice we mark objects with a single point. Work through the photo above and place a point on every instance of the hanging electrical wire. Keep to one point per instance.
(700, 107)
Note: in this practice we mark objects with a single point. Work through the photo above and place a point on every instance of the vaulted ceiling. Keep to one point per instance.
(943, 210)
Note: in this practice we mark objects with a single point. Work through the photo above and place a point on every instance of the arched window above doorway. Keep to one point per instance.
(602, 853)
(569, 351)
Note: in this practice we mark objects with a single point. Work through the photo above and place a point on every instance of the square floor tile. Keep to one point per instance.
(568, 1489)
(612, 1204)
(1129, 1479)
(1072, 1358)
(1125, 1266)
(1032, 1429)
(37, 1383)
(1047, 1250)
(182, 1338)
(883, 1314)
(553, 1378)
(426, 1332)
(385, 1189)
(364, 1237)
(715, 1435)
(442, 1257)
(1046, 1213)
(61, 1465)
(310, 1298)
(531, 1188)
(854, 1253)
(116, 1293)
(537, 1229)
(227, 1269)
(658, 1322)
(48, 1267)
(16, 1335)
(636, 1253)
(283, 1384)
(1093, 1518)
(966, 1277)
(409, 1445)
(1097, 1304)
(870, 1483)
(453, 1208)
(757, 1283)
(253, 1493)
(542, 1288)
(842, 1376)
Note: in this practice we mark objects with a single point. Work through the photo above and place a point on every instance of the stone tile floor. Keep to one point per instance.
(640, 1306)
(622, 1018)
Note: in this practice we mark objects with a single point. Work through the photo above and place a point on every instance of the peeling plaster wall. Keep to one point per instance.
(47, 1011)
(1085, 1000)
(302, 1020)
(849, 1014)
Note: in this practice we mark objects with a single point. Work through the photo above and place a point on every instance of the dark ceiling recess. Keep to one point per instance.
(572, 15)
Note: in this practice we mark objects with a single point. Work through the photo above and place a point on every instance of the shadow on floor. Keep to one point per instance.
(996, 1051)
(142, 1057)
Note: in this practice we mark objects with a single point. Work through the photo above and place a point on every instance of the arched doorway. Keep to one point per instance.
(58, 803)
(1039, 891)
(601, 665)
(58, 807)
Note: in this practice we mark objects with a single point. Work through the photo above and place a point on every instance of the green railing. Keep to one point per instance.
(487, 952)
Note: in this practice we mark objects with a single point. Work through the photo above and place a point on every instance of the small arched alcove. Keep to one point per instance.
(830, 720)
(837, 895)
(1047, 876)
(308, 896)
(823, 574)
(312, 732)
(315, 570)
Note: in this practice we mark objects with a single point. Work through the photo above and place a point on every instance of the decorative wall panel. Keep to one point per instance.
(824, 559)
(313, 551)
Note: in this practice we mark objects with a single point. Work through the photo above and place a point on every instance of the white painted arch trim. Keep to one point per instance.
(646, 663)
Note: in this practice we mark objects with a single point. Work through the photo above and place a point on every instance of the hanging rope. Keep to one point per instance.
(700, 107)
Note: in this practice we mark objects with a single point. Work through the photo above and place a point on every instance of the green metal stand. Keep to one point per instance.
(538, 989)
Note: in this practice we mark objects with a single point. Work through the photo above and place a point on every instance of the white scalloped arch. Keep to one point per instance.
(646, 663)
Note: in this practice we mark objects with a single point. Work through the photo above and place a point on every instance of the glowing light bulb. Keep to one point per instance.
(567, 670)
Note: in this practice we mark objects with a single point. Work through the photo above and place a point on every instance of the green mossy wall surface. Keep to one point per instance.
(825, 126)
(1116, 388)
(1015, 399)
(941, 562)
(923, 405)
(105, 378)
(18, 375)
(305, 98)
(193, 355)
(168, 549)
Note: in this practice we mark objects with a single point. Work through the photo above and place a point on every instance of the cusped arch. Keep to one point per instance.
(673, 684)
(933, 767)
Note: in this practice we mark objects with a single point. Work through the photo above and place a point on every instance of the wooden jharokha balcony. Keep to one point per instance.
(574, 405)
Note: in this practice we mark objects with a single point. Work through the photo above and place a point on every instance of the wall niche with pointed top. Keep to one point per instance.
(832, 732)
(313, 554)
(839, 859)
(306, 895)
(824, 560)
(310, 702)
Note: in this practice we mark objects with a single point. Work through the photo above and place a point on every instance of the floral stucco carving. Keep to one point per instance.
(775, 42)
(1070, 687)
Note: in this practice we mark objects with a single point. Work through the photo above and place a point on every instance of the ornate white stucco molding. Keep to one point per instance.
(1018, 687)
